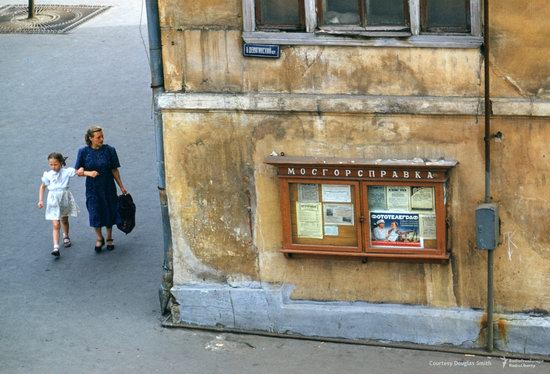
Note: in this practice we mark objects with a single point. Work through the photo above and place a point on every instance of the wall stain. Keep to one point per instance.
(503, 330)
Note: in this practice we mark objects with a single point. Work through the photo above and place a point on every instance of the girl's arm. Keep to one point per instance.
(116, 175)
(81, 173)
(91, 174)
(41, 195)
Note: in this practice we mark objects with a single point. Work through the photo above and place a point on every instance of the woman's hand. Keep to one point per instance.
(116, 175)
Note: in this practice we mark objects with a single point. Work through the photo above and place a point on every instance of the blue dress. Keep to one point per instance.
(101, 194)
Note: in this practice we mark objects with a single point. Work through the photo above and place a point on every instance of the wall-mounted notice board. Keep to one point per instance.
(380, 209)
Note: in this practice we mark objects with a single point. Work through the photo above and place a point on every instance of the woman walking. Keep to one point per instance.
(101, 193)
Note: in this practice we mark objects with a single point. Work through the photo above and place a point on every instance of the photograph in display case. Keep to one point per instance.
(395, 230)
(338, 214)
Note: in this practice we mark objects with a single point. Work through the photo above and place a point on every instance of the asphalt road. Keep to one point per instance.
(90, 313)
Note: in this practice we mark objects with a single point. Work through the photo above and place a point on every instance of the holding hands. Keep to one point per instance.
(81, 173)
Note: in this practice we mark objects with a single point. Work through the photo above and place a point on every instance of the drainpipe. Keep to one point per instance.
(487, 139)
(157, 85)
(31, 9)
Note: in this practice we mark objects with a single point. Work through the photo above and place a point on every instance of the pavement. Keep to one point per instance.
(90, 313)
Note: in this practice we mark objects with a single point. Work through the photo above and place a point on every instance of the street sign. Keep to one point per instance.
(261, 50)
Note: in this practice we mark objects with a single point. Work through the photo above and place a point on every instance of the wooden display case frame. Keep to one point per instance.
(360, 174)
(290, 247)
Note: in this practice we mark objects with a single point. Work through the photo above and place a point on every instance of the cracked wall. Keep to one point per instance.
(213, 171)
(520, 48)
(224, 201)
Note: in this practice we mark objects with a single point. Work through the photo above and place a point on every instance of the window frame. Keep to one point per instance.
(313, 35)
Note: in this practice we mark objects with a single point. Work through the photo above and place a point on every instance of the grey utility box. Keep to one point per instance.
(487, 226)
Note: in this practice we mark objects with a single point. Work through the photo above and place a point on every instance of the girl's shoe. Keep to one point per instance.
(67, 242)
(55, 251)
(98, 248)
(111, 246)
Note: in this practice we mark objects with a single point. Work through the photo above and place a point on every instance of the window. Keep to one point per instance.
(365, 209)
(280, 14)
(404, 23)
(442, 16)
(364, 13)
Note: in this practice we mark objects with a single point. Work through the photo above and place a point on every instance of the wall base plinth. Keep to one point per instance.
(268, 308)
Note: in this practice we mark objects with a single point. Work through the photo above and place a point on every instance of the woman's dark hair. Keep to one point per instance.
(90, 133)
(59, 157)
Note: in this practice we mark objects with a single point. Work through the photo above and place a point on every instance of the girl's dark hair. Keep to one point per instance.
(90, 133)
(59, 157)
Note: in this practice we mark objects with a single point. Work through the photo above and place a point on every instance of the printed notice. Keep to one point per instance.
(428, 226)
(331, 231)
(308, 193)
(338, 214)
(309, 220)
(422, 198)
(395, 230)
(377, 198)
(336, 193)
(398, 198)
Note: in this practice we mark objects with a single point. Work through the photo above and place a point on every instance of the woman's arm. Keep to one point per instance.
(41, 195)
(116, 175)
(81, 173)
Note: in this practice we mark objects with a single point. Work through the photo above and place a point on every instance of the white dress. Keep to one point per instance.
(60, 202)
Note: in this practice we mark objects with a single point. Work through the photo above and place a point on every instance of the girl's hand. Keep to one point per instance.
(80, 172)
(40, 204)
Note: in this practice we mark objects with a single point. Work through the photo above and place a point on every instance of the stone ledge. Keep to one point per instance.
(352, 104)
(261, 307)
(271, 309)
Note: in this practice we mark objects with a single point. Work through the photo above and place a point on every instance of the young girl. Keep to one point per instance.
(60, 204)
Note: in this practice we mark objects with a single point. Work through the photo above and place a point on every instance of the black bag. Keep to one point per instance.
(127, 213)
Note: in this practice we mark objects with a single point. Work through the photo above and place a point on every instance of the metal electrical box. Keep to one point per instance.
(487, 226)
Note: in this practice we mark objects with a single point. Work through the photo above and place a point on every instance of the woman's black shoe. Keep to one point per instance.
(111, 246)
(98, 249)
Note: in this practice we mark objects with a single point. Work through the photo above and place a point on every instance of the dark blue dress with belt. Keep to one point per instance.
(101, 194)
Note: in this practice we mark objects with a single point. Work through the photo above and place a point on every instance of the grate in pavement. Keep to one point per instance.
(48, 19)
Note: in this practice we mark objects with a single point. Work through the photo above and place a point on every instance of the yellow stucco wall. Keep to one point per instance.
(520, 48)
(224, 202)
(216, 172)
(211, 61)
